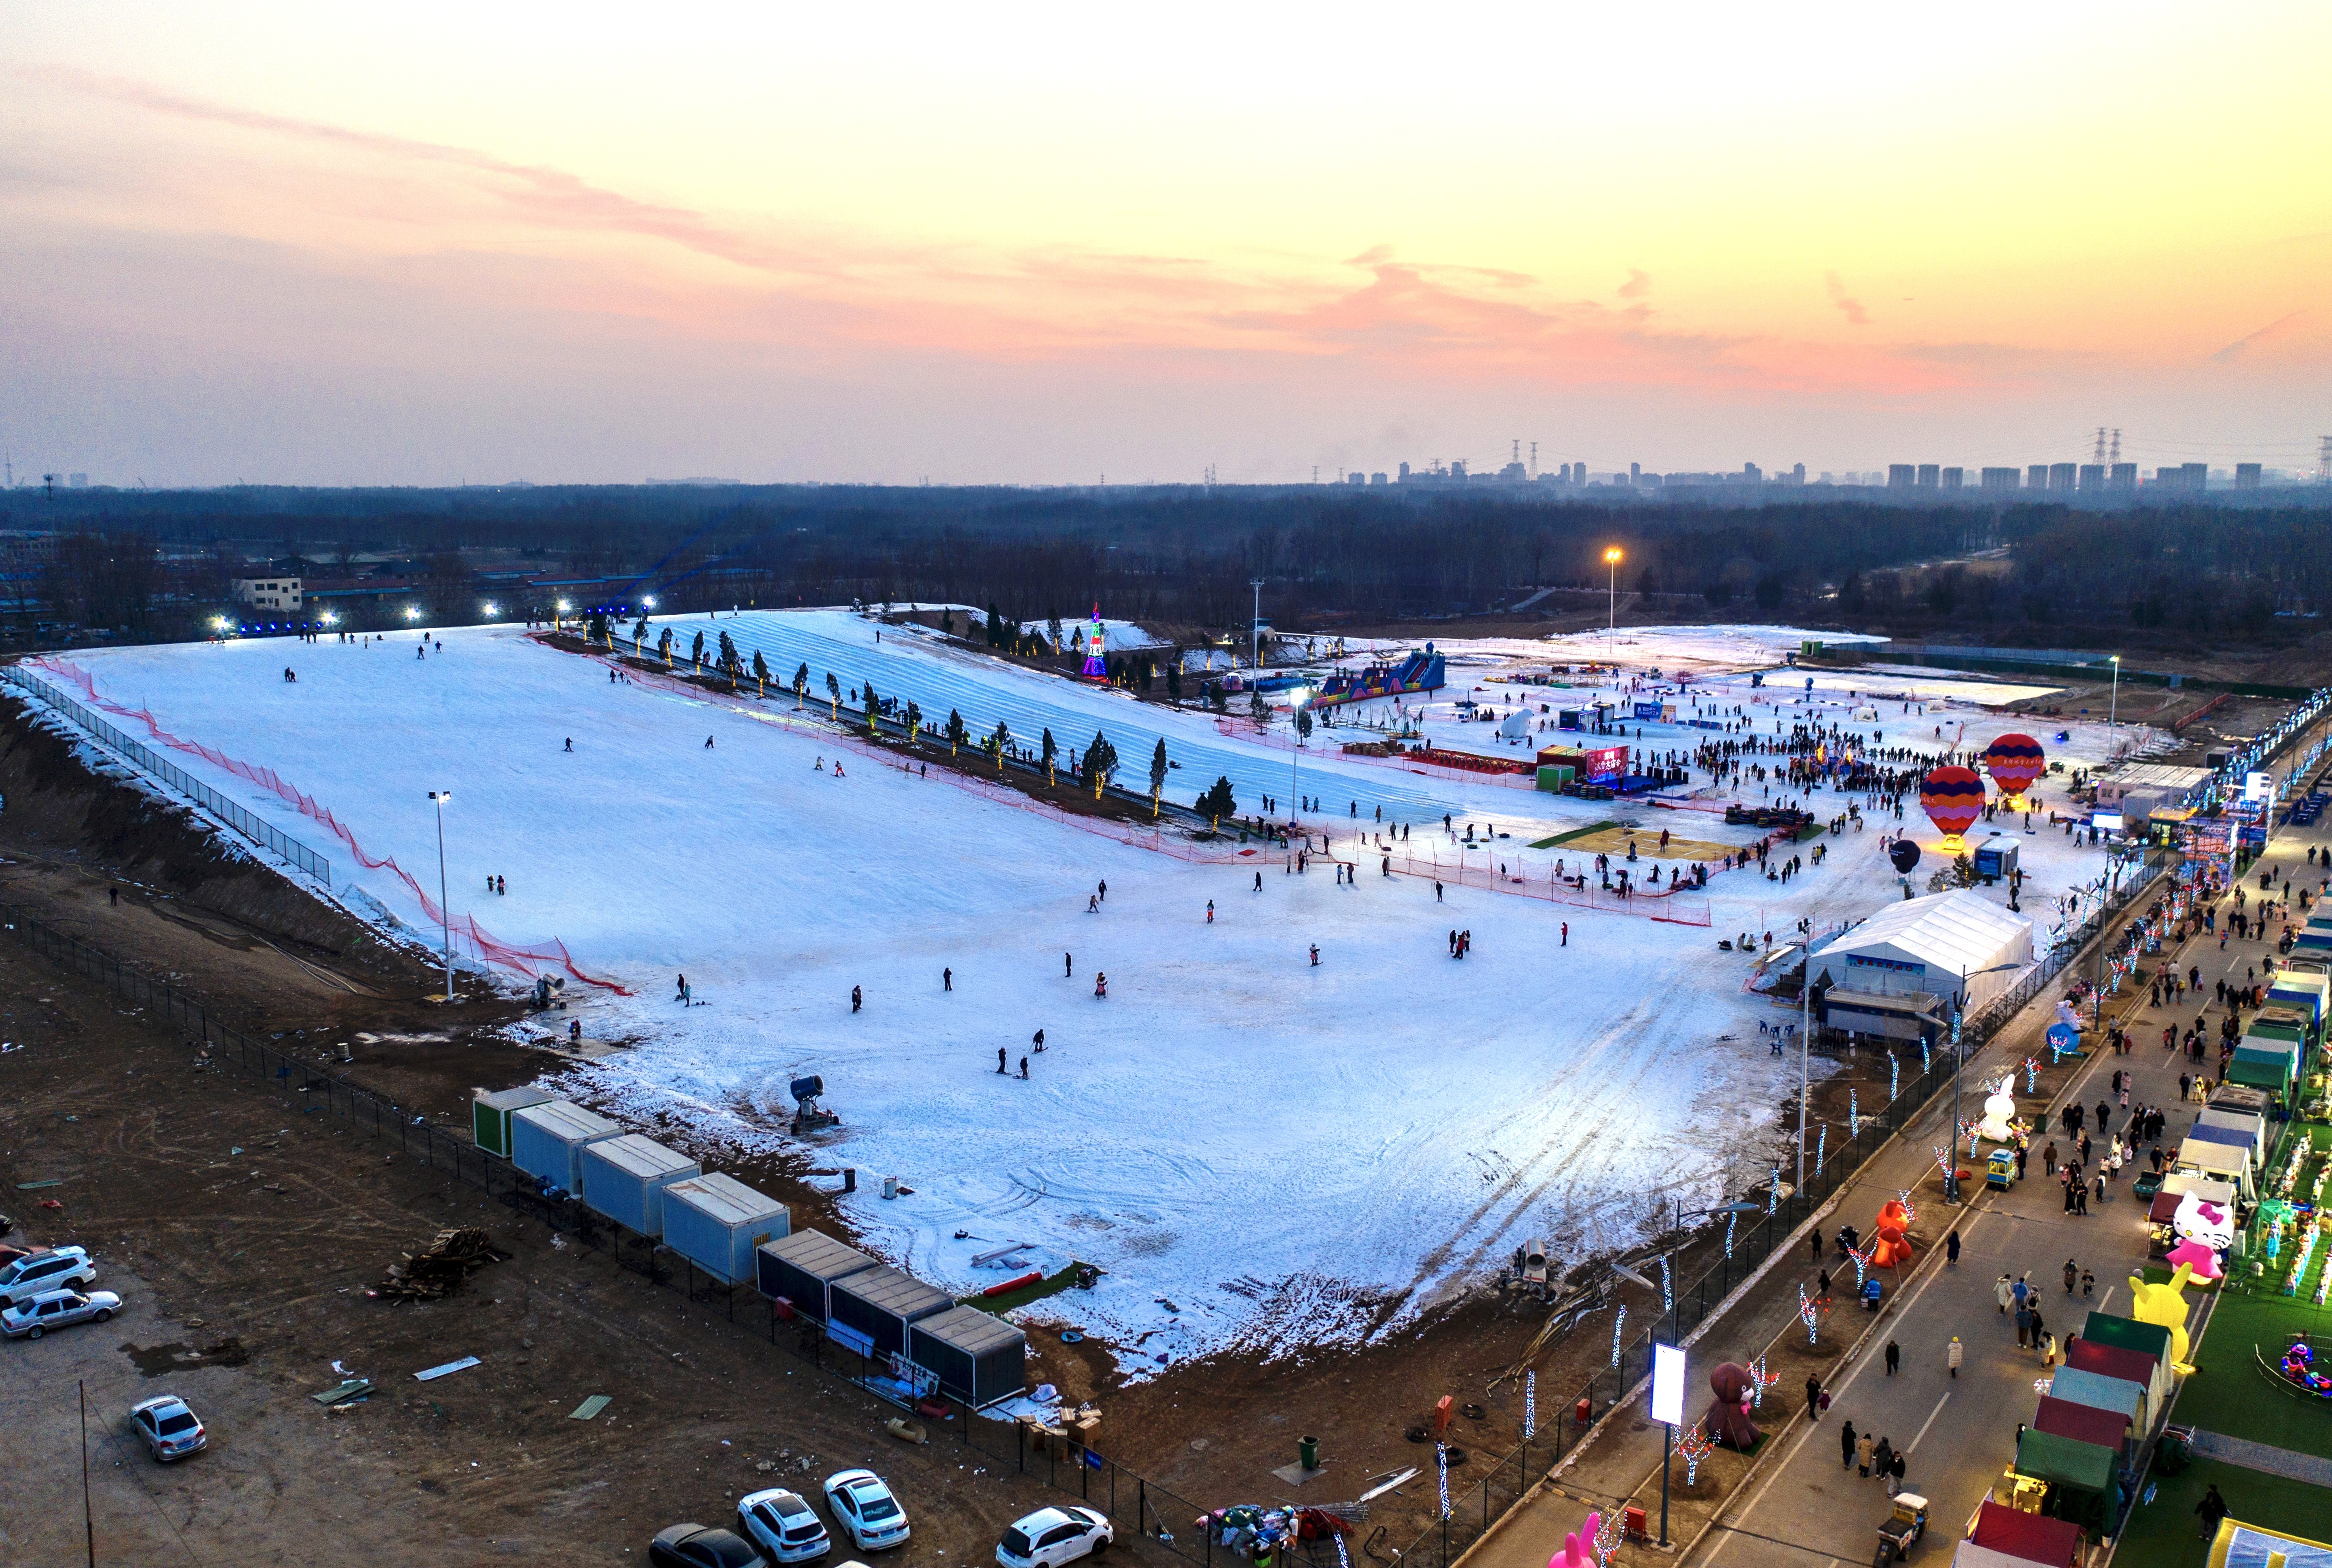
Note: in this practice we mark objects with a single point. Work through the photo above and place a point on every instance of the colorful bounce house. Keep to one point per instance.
(1417, 672)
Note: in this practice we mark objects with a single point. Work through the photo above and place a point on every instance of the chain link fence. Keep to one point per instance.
(268, 838)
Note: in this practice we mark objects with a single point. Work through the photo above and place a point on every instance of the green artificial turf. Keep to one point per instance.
(2228, 1391)
(2163, 1534)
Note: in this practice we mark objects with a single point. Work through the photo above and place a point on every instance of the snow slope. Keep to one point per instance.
(1288, 1152)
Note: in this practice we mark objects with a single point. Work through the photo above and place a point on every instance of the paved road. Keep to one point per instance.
(1804, 1509)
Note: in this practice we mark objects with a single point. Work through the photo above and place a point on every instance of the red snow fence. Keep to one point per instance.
(527, 961)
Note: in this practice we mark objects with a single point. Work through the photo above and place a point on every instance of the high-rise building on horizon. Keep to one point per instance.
(1951, 478)
(2062, 476)
(2247, 476)
(2093, 476)
(1901, 475)
(2036, 476)
(1931, 475)
(2122, 476)
(1998, 479)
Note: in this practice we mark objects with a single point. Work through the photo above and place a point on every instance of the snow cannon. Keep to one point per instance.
(2015, 762)
(808, 1114)
(1952, 799)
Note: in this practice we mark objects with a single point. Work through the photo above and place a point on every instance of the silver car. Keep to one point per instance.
(169, 1430)
(55, 1309)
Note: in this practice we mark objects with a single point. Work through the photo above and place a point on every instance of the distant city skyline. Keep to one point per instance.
(303, 246)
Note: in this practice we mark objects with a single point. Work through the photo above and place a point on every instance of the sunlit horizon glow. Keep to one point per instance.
(311, 245)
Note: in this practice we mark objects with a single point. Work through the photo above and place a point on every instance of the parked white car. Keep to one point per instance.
(1052, 1536)
(786, 1528)
(49, 1269)
(55, 1309)
(170, 1429)
(865, 1509)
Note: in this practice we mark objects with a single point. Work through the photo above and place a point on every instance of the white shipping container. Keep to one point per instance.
(624, 1178)
(547, 1141)
(715, 1221)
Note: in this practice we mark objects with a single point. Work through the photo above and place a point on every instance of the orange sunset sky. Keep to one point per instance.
(425, 243)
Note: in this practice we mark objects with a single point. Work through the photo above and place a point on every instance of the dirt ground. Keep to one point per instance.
(258, 1260)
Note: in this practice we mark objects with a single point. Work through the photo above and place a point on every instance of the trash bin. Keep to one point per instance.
(1307, 1452)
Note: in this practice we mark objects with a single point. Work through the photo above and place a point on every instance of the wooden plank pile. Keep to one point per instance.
(439, 1270)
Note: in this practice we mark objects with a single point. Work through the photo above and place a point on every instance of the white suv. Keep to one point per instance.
(50, 1268)
(1052, 1536)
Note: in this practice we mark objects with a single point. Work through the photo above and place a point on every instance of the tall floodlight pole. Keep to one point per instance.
(1293, 713)
(1611, 601)
(2113, 711)
(444, 910)
(1805, 1044)
(1254, 626)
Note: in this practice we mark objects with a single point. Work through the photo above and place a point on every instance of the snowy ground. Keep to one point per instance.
(1286, 1152)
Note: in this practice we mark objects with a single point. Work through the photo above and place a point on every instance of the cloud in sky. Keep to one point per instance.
(1848, 305)
(2242, 346)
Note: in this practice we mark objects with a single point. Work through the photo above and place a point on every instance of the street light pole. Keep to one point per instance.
(444, 909)
(1255, 626)
(1805, 1044)
(2113, 711)
(1611, 608)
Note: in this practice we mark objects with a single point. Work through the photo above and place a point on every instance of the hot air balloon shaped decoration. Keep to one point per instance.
(2016, 762)
(1952, 799)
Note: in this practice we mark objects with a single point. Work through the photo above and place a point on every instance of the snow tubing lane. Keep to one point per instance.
(526, 960)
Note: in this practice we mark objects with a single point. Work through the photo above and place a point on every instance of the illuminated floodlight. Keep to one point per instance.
(330, 620)
(649, 601)
(492, 610)
(411, 612)
(563, 606)
(220, 623)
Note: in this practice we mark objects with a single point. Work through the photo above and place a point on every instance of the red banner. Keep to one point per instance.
(1606, 762)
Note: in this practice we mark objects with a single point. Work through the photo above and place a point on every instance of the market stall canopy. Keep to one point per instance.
(2082, 1485)
(1968, 1554)
(2032, 1537)
(2243, 1122)
(2118, 1395)
(2082, 1423)
(1926, 944)
(2241, 1545)
(2146, 1338)
(2178, 1184)
(2113, 1361)
(2219, 1161)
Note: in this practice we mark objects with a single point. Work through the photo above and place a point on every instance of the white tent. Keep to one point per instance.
(1927, 944)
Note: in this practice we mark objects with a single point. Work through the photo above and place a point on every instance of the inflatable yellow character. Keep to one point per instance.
(2164, 1305)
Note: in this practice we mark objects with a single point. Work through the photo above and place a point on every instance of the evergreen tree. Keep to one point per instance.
(728, 654)
(1218, 803)
(598, 628)
(833, 696)
(760, 669)
(956, 732)
(1303, 724)
(994, 628)
(801, 682)
(1053, 631)
(1100, 759)
(663, 645)
(914, 720)
(1174, 681)
(947, 623)
(1001, 740)
(1051, 750)
(874, 707)
(1157, 775)
(696, 653)
(640, 630)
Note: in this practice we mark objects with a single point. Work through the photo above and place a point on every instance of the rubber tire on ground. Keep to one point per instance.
(35, 1331)
(1099, 1546)
(102, 1314)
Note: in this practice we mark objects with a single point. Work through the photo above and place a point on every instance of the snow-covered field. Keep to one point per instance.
(1286, 1152)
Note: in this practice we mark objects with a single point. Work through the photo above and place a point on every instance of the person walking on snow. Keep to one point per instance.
(1037, 1040)
(708, 744)
(855, 999)
(947, 979)
(1067, 967)
(1210, 911)
(570, 743)
(1315, 955)
(1101, 986)
(999, 1060)
(1024, 1069)
(681, 986)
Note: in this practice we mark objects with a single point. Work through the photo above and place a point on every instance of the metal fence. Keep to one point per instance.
(1068, 1466)
(271, 839)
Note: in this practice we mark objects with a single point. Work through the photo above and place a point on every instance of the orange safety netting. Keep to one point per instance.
(527, 961)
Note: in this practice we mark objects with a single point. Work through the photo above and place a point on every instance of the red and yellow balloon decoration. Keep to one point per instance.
(1952, 799)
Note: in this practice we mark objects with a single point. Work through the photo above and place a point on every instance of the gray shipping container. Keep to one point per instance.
(625, 1177)
(716, 1222)
(803, 1267)
(879, 1303)
(489, 1116)
(547, 1141)
(978, 1357)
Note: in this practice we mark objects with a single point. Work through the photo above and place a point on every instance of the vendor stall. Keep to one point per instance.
(2219, 1162)
(2119, 1395)
(2083, 1423)
(2129, 1365)
(2148, 1338)
(2029, 1537)
(2084, 1479)
(2252, 1128)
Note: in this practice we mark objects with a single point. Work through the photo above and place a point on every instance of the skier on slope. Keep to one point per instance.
(1101, 986)
(1038, 1039)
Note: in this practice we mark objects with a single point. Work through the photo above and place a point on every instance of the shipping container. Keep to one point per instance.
(978, 1357)
(547, 1141)
(489, 1116)
(716, 1221)
(879, 1303)
(803, 1267)
(625, 1177)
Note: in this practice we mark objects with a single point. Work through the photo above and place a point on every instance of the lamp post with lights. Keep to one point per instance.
(1611, 608)
(444, 909)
